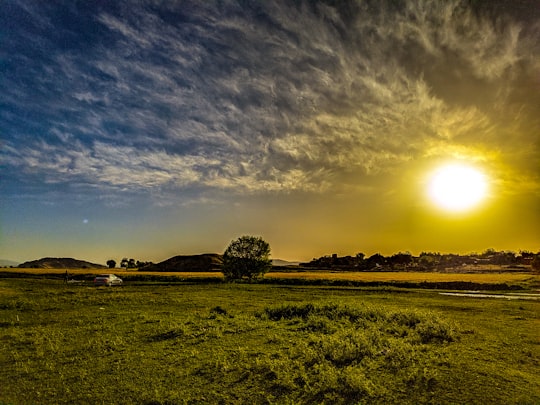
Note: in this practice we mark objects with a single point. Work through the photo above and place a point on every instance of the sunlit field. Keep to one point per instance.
(407, 276)
(487, 275)
(235, 343)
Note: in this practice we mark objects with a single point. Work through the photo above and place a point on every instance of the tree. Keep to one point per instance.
(400, 259)
(535, 264)
(246, 257)
(429, 260)
(111, 263)
(376, 260)
(360, 256)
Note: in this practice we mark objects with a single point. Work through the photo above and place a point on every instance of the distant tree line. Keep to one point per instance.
(426, 261)
(248, 257)
(127, 263)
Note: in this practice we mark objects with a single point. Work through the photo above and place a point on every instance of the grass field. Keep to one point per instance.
(390, 276)
(511, 278)
(148, 343)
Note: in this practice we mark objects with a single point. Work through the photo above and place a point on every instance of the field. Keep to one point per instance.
(482, 277)
(220, 343)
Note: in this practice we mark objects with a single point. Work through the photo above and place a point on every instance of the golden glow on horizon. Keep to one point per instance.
(457, 187)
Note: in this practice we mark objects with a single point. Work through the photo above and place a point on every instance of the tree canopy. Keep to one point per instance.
(246, 257)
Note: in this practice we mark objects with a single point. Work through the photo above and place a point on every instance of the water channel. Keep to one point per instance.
(510, 296)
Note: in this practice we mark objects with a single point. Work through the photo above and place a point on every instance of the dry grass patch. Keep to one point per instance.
(416, 277)
(389, 276)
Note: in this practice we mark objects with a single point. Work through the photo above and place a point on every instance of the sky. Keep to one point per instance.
(149, 129)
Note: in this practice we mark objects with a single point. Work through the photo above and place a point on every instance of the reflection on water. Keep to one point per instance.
(512, 296)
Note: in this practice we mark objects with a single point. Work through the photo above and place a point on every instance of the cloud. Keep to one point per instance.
(263, 96)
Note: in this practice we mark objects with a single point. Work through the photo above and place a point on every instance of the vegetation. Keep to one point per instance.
(426, 261)
(535, 264)
(401, 261)
(128, 263)
(132, 264)
(492, 280)
(261, 344)
(246, 257)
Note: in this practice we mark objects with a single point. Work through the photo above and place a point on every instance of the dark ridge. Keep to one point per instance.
(203, 262)
(60, 263)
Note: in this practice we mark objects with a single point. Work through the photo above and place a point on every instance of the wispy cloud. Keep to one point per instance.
(267, 96)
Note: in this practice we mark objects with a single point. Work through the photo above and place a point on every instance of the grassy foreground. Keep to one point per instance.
(262, 344)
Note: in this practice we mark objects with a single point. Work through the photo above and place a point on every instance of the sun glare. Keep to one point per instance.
(457, 187)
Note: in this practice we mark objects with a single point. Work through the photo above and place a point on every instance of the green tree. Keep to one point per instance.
(246, 257)
(111, 263)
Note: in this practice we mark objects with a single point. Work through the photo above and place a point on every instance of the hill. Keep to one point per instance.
(203, 262)
(60, 263)
(7, 263)
(280, 262)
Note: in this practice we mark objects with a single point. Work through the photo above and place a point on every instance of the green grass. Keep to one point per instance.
(262, 344)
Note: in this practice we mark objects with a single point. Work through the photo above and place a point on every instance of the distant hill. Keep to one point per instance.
(279, 262)
(7, 263)
(204, 262)
(60, 263)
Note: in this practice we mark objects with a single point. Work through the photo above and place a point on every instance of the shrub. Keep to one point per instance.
(289, 312)
(217, 310)
(354, 354)
(435, 331)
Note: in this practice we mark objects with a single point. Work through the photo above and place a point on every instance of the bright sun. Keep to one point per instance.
(457, 187)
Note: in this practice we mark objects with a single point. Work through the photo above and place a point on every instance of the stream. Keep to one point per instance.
(511, 296)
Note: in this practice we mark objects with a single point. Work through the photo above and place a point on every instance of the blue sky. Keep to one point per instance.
(148, 129)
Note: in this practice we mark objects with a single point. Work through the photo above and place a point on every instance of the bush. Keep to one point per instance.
(354, 354)
(435, 331)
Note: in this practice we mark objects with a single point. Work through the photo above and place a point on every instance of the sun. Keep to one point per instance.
(457, 187)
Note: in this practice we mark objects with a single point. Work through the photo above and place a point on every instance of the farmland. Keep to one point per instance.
(494, 275)
(159, 343)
